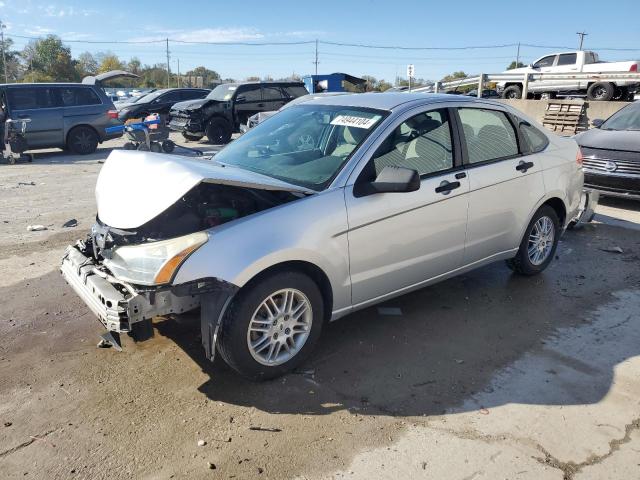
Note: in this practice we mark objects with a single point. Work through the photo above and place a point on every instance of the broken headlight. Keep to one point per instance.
(153, 263)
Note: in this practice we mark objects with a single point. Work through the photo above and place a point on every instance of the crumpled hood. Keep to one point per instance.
(135, 187)
(189, 105)
(610, 139)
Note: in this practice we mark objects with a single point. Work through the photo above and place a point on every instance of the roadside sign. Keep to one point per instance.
(410, 71)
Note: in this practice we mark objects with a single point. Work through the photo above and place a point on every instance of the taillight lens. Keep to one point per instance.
(579, 157)
(634, 68)
(112, 114)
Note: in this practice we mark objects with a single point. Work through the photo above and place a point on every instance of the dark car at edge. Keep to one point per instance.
(611, 153)
(159, 101)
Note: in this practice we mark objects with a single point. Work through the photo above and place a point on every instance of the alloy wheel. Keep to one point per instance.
(541, 241)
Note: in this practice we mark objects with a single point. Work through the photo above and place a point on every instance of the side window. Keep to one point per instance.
(422, 143)
(295, 91)
(192, 94)
(488, 134)
(75, 96)
(251, 93)
(567, 59)
(168, 97)
(271, 93)
(545, 61)
(537, 140)
(29, 98)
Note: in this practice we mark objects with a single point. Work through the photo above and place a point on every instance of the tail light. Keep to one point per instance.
(112, 114)
(634, 68)
(579, 157)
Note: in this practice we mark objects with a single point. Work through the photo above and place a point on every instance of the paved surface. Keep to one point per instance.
(484, 376)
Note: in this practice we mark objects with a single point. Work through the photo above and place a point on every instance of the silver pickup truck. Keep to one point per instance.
(582, 61)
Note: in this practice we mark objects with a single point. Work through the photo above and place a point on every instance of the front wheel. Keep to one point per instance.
(512, 92)
(538, 244)
(601, 91)
(272, 325)
(218, 132)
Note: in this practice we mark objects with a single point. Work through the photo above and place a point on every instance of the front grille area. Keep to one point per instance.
(625, 162)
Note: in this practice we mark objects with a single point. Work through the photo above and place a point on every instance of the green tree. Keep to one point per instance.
(49, 60)
(513, 65)
(110, 62)
(86, 64)
(13, 62)
(134, 66)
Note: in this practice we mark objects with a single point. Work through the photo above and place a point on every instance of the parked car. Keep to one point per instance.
(582, 61)
(228, 106)
(121, 103)
(396, 192)
(63, 115)
(260, 117)
(486, 93)
(159, 101)
(612, 154)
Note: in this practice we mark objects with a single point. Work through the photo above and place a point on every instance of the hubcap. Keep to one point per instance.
(83, 140)
(279, 327)
(541, 241)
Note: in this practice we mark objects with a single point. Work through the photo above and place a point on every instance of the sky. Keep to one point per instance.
(410, 23)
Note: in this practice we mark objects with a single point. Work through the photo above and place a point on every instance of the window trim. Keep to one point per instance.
(465, 153)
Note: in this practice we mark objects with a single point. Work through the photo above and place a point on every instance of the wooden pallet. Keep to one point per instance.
(563, 117)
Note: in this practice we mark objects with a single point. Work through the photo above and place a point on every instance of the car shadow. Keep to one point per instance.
(451, 342)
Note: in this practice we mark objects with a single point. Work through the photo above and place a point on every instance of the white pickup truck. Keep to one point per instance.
(582, 61)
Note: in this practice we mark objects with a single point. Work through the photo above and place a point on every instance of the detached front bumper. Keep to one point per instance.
(119, 305)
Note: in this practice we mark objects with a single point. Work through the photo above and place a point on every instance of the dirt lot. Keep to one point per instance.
(485, 376)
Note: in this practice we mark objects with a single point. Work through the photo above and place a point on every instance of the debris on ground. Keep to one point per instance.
(390, 311)
(612, 249)
(30, 184)
(201, 443)
(70, 223)
(212, 466)
(264, 429)
(7, 424)
(36, 228)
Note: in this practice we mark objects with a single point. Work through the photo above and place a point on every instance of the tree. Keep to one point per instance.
(86, 64)
(13, 61)
(513, 65)
(49, 60)
(454, 76)
(253, 79)
(134, 65)
(110, 62)
(201, 77)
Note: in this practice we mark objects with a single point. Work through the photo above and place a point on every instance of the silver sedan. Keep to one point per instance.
(272, 238)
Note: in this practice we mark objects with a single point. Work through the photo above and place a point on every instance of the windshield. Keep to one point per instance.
(222, 93)
(626, 119)
(305, 145)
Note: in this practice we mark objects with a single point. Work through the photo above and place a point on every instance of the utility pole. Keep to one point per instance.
(179, 79)
(168, 69)
(518, 56)
(4, 58)
(581, 35)
(316, 61)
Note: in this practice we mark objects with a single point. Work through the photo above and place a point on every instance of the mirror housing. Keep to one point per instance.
(391, 179)
(597, 122)
(241, 99)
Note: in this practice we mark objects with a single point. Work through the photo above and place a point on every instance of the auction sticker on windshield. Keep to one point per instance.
(355, 121)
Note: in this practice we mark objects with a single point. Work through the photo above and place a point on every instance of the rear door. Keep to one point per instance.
(272, 97)
(37, 104)
(248, 101)
(81, 105)
(505, 183)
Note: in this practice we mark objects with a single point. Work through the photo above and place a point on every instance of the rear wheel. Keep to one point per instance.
(538, 244)
(512, 92)
(218, 132)
(82, 140)
(601, 91)
(272, 326)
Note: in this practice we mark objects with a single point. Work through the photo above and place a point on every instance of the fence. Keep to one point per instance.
(525, 78)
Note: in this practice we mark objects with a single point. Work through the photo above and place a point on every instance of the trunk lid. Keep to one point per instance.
(135, 187)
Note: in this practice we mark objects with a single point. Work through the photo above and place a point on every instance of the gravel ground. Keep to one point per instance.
(484, 376)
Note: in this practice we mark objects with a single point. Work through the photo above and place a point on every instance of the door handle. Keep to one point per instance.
(524, 166)
(445, 187)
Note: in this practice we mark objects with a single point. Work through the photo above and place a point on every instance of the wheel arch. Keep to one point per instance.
(87, 125)
(554, 201)
(312, 270)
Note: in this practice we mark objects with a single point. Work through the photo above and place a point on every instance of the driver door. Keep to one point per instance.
(401, 240)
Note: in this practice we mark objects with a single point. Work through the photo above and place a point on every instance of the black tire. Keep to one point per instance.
(218, 131)
(155, 147)
(512, 92)
(232, 340)
(82, 140)
(130, 146)
(168, 146)
(521, 263)
(601, 91)
(191, 138)
(621, 94)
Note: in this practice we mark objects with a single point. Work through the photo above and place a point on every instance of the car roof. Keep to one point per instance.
(389, 101)
(46, 84)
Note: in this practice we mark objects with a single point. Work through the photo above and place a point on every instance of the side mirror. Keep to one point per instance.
(597, 122)
(241, 99)
(391, 180)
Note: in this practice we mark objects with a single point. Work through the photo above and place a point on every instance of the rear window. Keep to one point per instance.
(26, 98)
(75, 96)
(271, 93)
(537, 140)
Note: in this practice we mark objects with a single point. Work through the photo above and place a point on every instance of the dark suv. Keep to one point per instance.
(158, 101)
(64, 115)
(230, 105)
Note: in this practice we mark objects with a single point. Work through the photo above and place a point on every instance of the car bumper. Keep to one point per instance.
(118, 305)
(615, 185)
(186, 125)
